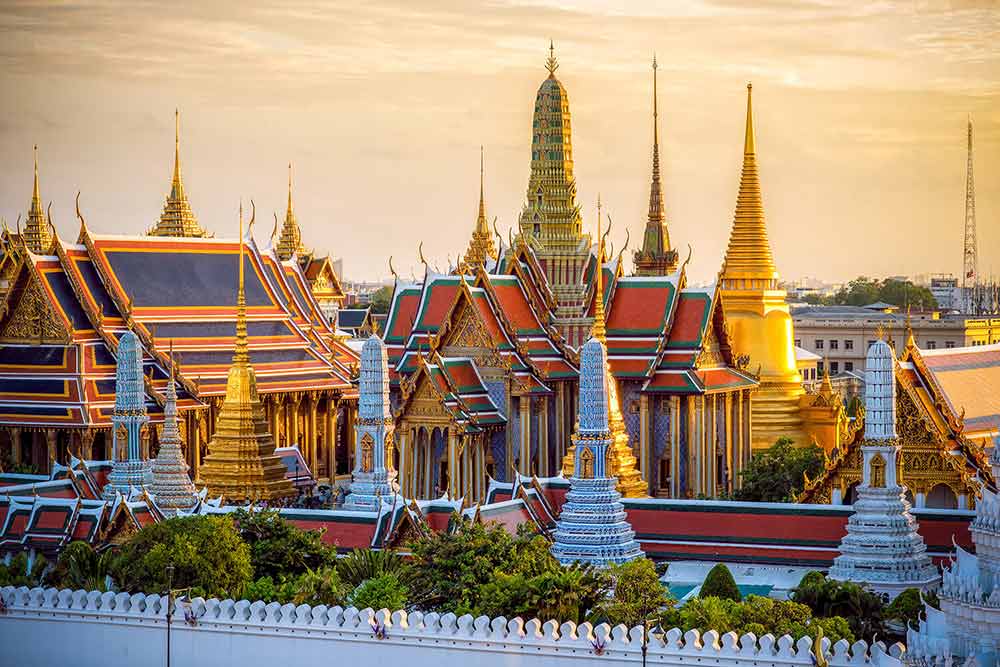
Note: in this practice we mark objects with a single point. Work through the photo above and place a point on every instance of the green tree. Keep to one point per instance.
(776, 474)
(859, 292)
(364, 564)
(384, 591)
(317, 587)
(18, 572)
(826, 597)
(380, 300)
(80, 567)
(206, 552)
(638, 595)
(904, 293)
(907, 606)
(759, 615)
(279, 549)
(720, 584)
(482, 569)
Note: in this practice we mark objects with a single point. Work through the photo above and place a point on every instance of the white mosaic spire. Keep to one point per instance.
(130, 467)
(373, 480)
(592, 526)
(882, 547)
(172, 488)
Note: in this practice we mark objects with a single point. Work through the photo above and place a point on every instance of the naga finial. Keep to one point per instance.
(253, 217)
(274, 230)
(83, 223)
(392, 270)
(628, 237)
(420, 253)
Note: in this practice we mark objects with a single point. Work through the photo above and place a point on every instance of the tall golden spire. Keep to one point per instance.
(598, 330)
(290, 242)
(37, 235)
(481, 246)
(656, 257)
(177, 218)
(748, 256)
(241, 464)
(552, 64)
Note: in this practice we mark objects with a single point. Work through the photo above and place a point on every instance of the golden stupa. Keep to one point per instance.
(756, 310)
(241, 464)
(621, 459)
(177, 218)
(37, 235)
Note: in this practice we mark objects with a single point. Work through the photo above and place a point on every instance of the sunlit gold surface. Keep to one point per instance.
(177, 218)
(757, 311)
(37, 235)
(481, 246)
(241, 464)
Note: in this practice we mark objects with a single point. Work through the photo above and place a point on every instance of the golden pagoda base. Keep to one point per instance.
(776, 413)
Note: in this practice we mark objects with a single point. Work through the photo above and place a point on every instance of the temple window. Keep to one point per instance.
(834, 367)
(932, 345)
(949, 344)
(877, 478)
(586, 464)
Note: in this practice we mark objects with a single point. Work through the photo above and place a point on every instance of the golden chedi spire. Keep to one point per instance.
(37, 234)
(749, 253)
(757, 312)
(290, 242)
(481, 246)
(656, 257)
(177, 218)
(621, 460)
(550, 215)
(241, 464)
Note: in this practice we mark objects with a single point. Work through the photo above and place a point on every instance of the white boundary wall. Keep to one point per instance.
(41, 627)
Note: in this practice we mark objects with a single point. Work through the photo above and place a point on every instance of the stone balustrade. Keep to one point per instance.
(43, 626)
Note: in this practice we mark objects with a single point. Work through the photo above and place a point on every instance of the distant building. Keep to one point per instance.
(946, 291)
(841, 335)
(357, 322)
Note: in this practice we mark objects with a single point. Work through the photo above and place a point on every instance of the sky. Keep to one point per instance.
(382, 106)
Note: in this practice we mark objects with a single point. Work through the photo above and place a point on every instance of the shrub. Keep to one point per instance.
(277, 548)
(385, 591)
(720, 584)
(206, 552)
(80, 567)
(862, 608)
(638, 595)
(319, 587)
(364, 564)
(19, 574)
(759, 615)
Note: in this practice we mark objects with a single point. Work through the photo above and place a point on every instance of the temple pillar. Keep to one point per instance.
(561, 437)
(403, 477)
(51, 438)
(293, 436)
(645, 443)
(543, 437)
(692, 445)
(454, 472)
(275, 421)
(728, 423)
(919, 499)
(87, 444)
(509, 435)
(675, 446)
(352, 436)
(524, 462)
(198, 418)
(15, 445)
(313, 435)
(330, 437)
(963, 501)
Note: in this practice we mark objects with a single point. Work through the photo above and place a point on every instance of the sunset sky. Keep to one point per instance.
(382, 105)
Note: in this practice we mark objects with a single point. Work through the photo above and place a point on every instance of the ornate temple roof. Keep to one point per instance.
(481, 247)
(177, 218)
(968, 379)
(748, 256)
(64, 313)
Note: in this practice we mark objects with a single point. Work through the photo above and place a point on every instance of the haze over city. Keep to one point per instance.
(381, 108)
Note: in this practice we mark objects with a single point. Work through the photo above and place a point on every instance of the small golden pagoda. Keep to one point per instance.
(177, 218)
(37, 234)
(241, 464)
(290, 241)
(621, 461)
(481, 247)
(756, 309)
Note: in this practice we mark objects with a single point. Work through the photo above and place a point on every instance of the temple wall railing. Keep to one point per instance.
(50, 627)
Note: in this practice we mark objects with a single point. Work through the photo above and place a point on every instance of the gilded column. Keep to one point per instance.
(293, 440)
(692, 445)
(352, 439)
(51, 437)
(313, 436)
(331, 439)
(543, 437)
(275, 403)
(87, 444)
(454, 471)
(402, 442)
(675, 446)
(524, 463)
(728, 407)
(645, 449)
(509, 436)
(197, 418)
(560, 422)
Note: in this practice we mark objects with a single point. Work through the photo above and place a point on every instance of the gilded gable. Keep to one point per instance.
(32, 318)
